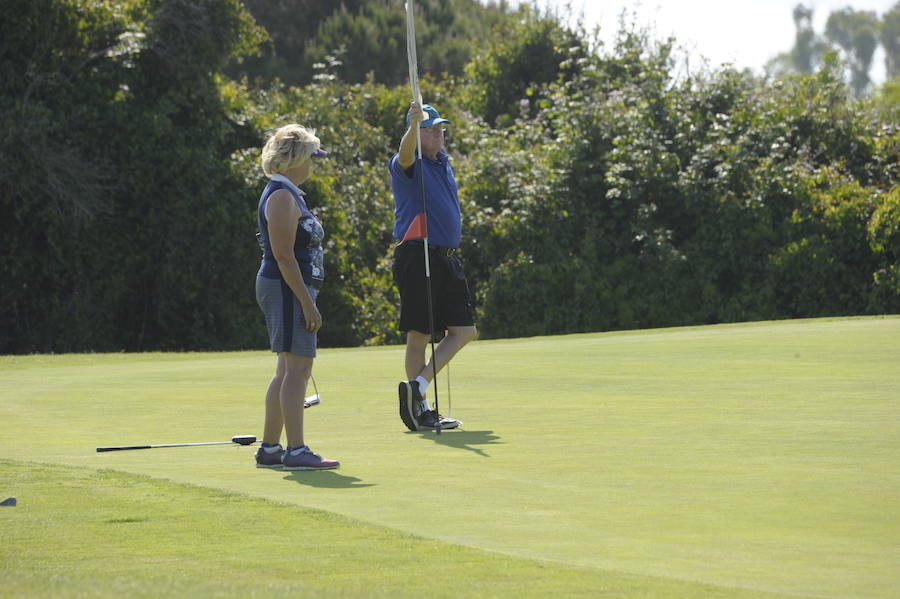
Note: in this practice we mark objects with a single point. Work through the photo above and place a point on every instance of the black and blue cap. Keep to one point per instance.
(434, 118)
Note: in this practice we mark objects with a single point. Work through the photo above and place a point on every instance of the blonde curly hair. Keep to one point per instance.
(288, 147)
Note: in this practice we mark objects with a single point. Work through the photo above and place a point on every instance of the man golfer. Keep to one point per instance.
(453, 310)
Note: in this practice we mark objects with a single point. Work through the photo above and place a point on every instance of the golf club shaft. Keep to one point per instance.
(127, 447)
(238, 439)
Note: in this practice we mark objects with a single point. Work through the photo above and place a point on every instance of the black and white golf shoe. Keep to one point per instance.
(409, 395)
(432, 420)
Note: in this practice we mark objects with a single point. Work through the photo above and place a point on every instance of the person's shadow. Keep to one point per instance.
(325, 479)
(463, 439)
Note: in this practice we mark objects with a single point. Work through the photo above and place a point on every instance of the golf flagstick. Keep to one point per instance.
(417, 96)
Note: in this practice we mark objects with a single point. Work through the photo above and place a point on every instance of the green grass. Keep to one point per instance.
(140, 535)
(725, 461)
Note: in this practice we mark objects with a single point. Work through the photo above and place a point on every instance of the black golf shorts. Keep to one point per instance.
(449, 289)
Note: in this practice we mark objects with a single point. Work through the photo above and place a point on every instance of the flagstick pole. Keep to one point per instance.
(417, 96)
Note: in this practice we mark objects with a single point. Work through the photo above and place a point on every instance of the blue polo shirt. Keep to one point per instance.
(441, 199)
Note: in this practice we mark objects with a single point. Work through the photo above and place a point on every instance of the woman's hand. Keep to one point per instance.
(312, 315)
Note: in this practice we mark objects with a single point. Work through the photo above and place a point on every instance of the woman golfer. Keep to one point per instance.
(287, 283)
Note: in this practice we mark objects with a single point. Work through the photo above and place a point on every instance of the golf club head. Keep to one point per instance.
(312, 400)
(243, 439)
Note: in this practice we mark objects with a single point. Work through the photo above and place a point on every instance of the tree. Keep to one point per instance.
(371, 34)
(631, 201)
(890, 41)
(121, 218)
(521, 55)
(856, 33)
(61, 71)
(809, 49)
(596, 184)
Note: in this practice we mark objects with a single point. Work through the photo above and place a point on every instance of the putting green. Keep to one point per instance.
(760, 457)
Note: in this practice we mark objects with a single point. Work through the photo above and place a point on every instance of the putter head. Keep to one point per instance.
(243, 439)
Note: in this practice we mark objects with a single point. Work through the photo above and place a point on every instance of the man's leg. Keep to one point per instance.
(408, 391)
(455, 340)
(414, 410)
(412, 390)
(455, 307)
(416, 347)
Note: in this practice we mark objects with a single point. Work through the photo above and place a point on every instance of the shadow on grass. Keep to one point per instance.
(462, 439)
(325, 479)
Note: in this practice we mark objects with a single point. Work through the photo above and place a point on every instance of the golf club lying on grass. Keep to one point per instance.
(239, 439)
(312, 400)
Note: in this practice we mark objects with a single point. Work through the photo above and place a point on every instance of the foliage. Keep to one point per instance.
(890, 41)
(349, 192)
(120, 215)
(886, 101)
(635, 201)
(524, 54)
(56, 74)
(809, 49)
(599, 192)
(854, 34)
(370, 35)
(884, 239)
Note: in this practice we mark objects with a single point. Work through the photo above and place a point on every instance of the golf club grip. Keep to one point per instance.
(100, 449)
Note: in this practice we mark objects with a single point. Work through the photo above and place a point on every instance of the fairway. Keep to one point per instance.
(747, 460)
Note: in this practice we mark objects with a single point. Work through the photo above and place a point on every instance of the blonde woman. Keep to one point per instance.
(287, 284)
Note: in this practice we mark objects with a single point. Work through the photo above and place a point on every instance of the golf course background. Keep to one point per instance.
(746, 460)
(617, 186)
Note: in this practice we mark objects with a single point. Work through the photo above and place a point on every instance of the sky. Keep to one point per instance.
(745, 34)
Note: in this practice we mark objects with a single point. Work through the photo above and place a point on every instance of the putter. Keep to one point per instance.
(312, 400)
(239, 439)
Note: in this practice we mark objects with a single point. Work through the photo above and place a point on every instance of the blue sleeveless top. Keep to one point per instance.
(307, 245)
